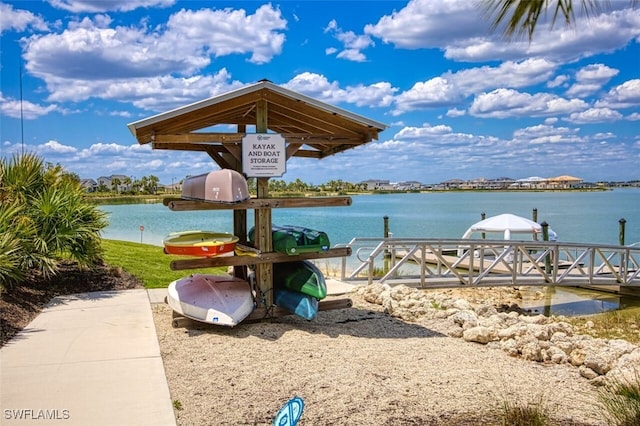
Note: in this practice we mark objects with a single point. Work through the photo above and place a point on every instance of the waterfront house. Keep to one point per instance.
(89, 185)
(564, 182)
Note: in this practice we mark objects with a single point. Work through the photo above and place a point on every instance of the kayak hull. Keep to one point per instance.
(218, 186)
(302, 276)
(199, 243)
(219, 300)
(297, 303)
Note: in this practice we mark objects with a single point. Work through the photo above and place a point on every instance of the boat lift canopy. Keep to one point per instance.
(507, 224)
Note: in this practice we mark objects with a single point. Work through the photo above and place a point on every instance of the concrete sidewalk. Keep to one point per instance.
(87, 359)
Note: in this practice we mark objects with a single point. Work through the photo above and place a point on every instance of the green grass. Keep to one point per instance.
(525, 414)
(148, 263)
(623, 324)
(620, 401)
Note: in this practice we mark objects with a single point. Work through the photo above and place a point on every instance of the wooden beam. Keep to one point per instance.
(260, 314)
(262, 230)
(219, 159)
(263, 258)
(180, 204)
(199, 138)
(292, 148)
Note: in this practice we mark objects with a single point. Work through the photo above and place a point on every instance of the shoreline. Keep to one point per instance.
(158, 198)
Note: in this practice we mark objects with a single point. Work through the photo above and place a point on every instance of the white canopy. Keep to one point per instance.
(507, 224)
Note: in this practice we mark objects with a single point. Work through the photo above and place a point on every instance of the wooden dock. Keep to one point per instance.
(497, 262)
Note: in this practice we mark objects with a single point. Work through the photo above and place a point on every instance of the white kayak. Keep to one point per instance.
(214, 299)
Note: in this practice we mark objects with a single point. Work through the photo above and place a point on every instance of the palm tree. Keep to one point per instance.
(43, 219)
(521, 16)
(115, 184)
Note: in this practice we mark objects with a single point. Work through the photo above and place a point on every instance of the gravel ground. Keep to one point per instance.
(356, 366)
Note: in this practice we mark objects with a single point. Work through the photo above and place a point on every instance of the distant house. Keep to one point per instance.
(89, 185)
(377, 185)
(409, 186)
(124, 182)
(564, 182)
(533, 182)
(452, 184)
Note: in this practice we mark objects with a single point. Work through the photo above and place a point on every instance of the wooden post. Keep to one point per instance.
(534, 216)
(240, 218)
(387, 254)
(545, 237)
(621, 227)
(483, 216)
(262, 230)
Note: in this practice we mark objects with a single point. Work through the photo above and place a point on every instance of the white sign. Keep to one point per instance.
(263, 155)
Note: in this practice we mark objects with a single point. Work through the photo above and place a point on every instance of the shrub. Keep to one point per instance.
(43, 219)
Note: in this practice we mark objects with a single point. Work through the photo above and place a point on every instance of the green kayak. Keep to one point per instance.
(302, 276)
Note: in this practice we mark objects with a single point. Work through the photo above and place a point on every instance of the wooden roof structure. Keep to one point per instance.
(311, 128)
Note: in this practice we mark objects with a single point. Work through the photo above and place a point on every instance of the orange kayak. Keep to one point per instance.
(199, 243)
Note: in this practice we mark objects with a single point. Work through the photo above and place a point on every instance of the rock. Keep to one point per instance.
(555, 355)
(511, 332)
(536, 338)
(465, 319)
(510, 347)
(478, 334)
(563, 342)
(462, 304)
(486, 310)
(602, 356)
(587, 373)
(627, 369)
(577, 356)
(529, 348)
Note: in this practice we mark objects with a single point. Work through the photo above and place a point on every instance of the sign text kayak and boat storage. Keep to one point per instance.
(263, 155)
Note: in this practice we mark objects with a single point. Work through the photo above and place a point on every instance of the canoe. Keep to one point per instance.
(218, 186)
(199, 243)
(301, 304)
(302, 276)
(220, 300)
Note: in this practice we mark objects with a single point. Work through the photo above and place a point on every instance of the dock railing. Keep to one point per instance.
(454, 262)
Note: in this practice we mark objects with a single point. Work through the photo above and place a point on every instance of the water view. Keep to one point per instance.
(587, 217)
(576, 216)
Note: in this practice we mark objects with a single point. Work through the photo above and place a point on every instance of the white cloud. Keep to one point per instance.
(28, 110)
(503, 103)
(594, 115)
(460, 29)
(424, 24)
(543, 134)
(454, 112)
(94, 58)
(558, 81)
(19, 20)
(352, 44)
(55, 147)
(317, 86)
(590, 79)
(623, 96)
(452, 87)
(93, 6)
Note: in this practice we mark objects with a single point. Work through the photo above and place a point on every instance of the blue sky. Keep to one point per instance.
(459, 101)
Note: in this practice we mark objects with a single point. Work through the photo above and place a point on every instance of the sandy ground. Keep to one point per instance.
(356, 366)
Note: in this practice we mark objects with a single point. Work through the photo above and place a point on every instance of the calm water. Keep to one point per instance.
(576, 216)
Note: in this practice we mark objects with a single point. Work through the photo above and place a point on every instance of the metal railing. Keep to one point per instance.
(454, 262)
